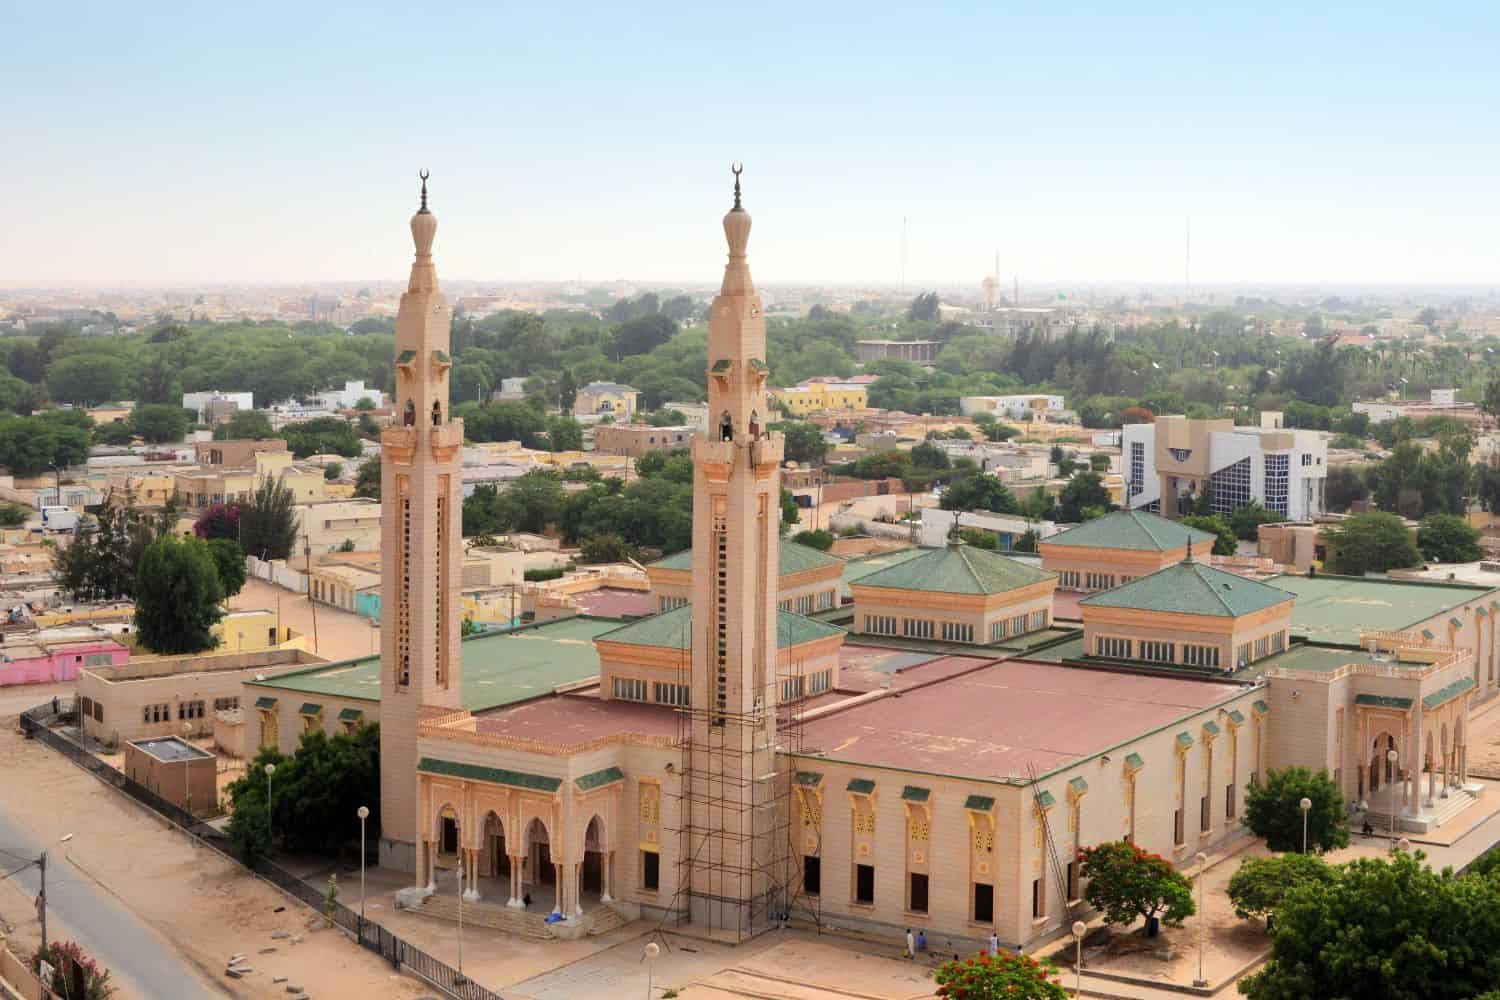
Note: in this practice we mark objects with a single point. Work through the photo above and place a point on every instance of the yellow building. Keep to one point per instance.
(204, 487)
(606, 399)
(820, 397)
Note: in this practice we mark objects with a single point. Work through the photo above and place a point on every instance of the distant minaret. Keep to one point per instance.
(728, 802)
(420, 547)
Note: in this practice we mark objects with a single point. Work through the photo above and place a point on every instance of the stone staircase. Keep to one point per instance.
(494, 915)
(1441, 812)
(603, 919)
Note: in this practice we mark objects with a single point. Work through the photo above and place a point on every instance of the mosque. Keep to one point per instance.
(918, 739)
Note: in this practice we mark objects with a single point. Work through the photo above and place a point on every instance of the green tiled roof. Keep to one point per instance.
(310, 708)
(911, 793)
(674, 629)
(1191, 588)
(809, 778)
(759, 365)
(862, 786)
(794, 558)
(1211, 728)
(957, 569)
(1337, 608)
(1044, 800)
(406, 357)
(351, 715)
(1427, 634)
(1131, 529)
(494, 775)
(1134, 761)
(499, 668)
(722, 365)
(1382, 701)
(442, 356)
(1184, 740)
(1236, 716)
(1078, 785)
(265, 701)
(1447, 692)
(599, 778)
(1262, 707)
(1482, 612)
(1455, 622)
(979, 803)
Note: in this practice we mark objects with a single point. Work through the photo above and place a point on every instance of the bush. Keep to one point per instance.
(1370, 543)
(540, 575)
(1126, 883)
(1447, 538)
(819, 539)
(998, 977)
(1273, 811)
(74, 974)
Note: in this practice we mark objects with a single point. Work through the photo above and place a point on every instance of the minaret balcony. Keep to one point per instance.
(447, 439)
(398, 443)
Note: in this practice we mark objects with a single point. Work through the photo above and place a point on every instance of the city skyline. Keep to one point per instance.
(1304, 148)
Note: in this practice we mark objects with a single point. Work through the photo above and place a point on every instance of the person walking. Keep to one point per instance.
(911, 944)
(994, 944)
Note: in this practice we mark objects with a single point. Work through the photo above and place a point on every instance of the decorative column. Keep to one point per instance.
(557, 885)
(577, 889)
(1431, 776)
(471, 873)
(1447, 770)
(429, 850)
(606, 877)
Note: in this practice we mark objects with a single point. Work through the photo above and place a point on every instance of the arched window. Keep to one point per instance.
(409, 418)
(726, 427)
(754, 426)
(437, 413)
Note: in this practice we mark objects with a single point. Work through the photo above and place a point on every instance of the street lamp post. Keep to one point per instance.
(1202, 860)
(1079, 930)
(652, 950)
(187, 788)
(270, 809)
(1392, 756)
(364, 814)
(1305, 805)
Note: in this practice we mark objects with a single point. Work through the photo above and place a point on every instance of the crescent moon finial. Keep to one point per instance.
(737, 168)
(424, 173)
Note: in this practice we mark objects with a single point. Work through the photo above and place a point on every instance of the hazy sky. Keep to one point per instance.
(270, 142)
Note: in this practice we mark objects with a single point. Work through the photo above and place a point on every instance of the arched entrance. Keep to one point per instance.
(1385, 775)
(593, 857)
(539, 867)
(446, 833)
(496, 861)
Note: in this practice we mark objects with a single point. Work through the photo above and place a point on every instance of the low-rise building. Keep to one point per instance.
(807, 581)
(340, 525)
(819, 396)
(922, 352)
(57, 654)
(607, 399)
(1020, 406)
(635, 440)
(1117, 548)
(176, 770)
(224, 404)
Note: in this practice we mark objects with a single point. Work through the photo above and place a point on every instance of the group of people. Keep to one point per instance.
(917, 944)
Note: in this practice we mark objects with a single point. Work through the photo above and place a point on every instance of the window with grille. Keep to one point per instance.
(1137, 467)
(670, 694)
(880, 624)
(791, 689)
(820, 682)
(1277, 477)
(957, 632)
(1112, 647)
(1038, 620)
(1200, 656)
(1231, 487)
(629, 689)
(916, 628)
(1157, 652)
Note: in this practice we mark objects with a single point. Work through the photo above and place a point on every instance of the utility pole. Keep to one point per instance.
(312, 604)
(41, 898)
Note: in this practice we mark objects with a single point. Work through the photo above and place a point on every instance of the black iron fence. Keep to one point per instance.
(37, 723)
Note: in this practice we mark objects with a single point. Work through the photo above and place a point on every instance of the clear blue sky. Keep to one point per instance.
(269, 141)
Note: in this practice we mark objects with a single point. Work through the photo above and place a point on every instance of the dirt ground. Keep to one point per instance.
(207, 906)
(341, 635)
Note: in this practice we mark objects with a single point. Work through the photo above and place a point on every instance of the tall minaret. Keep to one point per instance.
(728, 805)
(421, 539)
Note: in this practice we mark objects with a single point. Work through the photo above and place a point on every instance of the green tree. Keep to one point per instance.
(929, 456)
(13, 515)
(229, 562)
(159, 423)
(316, 792)
(1373, 542)
(980, 491)
(1085, 489)
(564, 434)
(815, 539)
(116, 432)
(245, 425)
(882, 465)
(1384, 928)
(1259, 886)
(1000, 432)
(1126, 883)
(177, 595)
(1344, 487)
(604, 549)
(643, 334)
(221, 520)
(924, 308)
(86, 378)
(1273, 810)
(364, 404)
(1247, 518)
(367, 483)
(1447, 538)
(803, 442)
(1225, 543)
(567, 392)
(1005, 976)
(322, 436)
(332, 471)
(268, 523)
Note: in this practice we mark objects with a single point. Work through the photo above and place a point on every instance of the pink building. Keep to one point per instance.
(56, 655)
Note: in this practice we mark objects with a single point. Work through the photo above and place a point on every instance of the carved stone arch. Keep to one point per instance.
(409, 415)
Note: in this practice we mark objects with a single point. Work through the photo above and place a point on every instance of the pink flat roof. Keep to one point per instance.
(616, 602)
(992, 723)
(576, 718)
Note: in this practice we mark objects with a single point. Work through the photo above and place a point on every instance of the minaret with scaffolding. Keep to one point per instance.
(734, 853)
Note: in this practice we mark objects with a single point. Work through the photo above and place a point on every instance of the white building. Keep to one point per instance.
(199, 402)
(348, 397)
(1283, 470)
(1007, 528)
(1023, 406)
(1052, 322)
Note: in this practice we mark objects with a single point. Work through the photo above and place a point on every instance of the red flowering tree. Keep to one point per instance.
(1000, 977)
(1126, 883)
(72, 972)
(222, 520)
